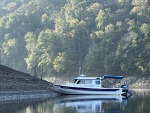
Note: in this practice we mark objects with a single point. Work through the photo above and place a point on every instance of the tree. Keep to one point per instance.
(32, 58)
(59, 36)
(9, 52)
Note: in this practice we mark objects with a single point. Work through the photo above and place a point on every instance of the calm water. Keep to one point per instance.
(138, 103)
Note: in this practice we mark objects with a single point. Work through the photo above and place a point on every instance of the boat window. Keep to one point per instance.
(97, 82)
(78, 82)
(86, 82)
(75, 80)
(82, 81)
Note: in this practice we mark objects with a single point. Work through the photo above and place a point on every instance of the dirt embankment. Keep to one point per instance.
(16, 85)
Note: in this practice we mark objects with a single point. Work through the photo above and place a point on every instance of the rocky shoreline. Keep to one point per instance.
(16, 86)
(25, 95)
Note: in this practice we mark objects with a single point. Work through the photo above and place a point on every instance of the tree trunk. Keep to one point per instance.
(42, 73)
(35, 73)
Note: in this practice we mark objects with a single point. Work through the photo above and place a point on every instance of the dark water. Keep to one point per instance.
(139, 102)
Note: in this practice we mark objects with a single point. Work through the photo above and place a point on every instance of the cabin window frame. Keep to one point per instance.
(97, 82)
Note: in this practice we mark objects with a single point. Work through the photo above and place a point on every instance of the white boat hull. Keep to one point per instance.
(87, 90)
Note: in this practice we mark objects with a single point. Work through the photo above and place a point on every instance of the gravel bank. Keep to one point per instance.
(15, 85)
(25, 95)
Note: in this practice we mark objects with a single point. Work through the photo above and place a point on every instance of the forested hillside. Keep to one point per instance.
(59, 36)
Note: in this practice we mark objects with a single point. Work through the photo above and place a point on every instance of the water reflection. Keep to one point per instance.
(138, 103)
(64, 104)
(18, 106)
(89, 104)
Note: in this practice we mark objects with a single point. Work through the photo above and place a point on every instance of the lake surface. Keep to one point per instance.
(139, 102)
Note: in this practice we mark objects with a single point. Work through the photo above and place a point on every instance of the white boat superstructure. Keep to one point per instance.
(89, 85)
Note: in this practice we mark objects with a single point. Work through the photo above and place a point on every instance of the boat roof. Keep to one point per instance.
(112, 77)
(83, 77)
(88, 78)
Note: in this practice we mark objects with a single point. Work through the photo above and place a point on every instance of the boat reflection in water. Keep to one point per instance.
(91, 103)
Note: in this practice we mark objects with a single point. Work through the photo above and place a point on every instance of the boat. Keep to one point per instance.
(91, 86)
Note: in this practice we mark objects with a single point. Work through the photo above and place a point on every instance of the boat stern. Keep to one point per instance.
(124, 88)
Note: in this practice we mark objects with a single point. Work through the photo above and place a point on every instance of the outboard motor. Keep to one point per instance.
(125, 88)
(125, 91)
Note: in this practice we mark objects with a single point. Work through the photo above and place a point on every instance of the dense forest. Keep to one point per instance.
(62, 36)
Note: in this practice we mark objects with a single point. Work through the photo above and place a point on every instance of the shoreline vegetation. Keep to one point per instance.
(15, 85)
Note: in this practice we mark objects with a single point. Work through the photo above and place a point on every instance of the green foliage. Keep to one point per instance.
(112, 36)
(32, 50)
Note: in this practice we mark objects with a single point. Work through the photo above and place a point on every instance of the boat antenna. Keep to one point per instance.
(79, 70)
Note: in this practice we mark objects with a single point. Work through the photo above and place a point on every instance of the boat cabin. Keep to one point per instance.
(88, 81)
